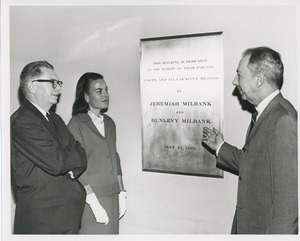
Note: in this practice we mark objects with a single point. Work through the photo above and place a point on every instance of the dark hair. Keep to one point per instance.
(32, 70)
(83, 86)
(268, 62)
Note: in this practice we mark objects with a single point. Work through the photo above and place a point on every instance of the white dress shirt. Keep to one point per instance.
(44, 113)
(98, 122)
(262, 105)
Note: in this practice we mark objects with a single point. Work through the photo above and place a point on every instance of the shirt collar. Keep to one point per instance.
(40, 109)
(95, 118)
(262, 105)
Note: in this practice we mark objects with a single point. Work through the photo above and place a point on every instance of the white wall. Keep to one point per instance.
(105, 39)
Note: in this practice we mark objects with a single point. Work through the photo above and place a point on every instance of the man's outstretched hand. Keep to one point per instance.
(212, 138)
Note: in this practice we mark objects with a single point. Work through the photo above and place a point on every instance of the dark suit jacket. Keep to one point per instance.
(103, 159)
(267, 201)
(48, 200)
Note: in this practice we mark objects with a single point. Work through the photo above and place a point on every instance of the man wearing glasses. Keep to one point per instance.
(45, 159)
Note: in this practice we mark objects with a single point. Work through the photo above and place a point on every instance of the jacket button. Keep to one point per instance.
(244, 149)
(240, 178)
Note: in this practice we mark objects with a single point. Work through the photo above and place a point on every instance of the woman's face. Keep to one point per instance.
(97, 96)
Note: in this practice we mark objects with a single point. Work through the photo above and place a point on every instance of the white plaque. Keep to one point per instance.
(181, 81)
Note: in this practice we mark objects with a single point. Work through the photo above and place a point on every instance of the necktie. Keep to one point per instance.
(50, 121)
(253, 120)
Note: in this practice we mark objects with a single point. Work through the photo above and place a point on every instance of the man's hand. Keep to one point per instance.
(212, 138)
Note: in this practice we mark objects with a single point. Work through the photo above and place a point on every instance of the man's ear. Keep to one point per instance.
(31, 87)
(259, 78)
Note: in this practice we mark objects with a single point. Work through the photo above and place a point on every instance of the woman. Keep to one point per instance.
(106, 197)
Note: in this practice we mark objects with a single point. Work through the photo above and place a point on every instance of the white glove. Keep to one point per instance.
(122, 203)
(97, 209)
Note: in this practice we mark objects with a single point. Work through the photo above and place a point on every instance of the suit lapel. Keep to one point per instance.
(39, 115)
(264, 115)
(86, 118)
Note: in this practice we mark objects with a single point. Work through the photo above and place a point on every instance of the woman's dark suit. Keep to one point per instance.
(48, 200)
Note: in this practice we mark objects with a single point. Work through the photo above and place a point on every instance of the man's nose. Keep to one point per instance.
(235, 80)
(58, 87)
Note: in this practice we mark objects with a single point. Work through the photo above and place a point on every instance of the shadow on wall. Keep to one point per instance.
(21, 96)
(244, 103)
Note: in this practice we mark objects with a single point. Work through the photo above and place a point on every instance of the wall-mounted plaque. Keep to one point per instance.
(181, 81)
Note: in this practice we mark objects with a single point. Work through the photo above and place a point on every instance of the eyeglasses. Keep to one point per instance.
(54, 82)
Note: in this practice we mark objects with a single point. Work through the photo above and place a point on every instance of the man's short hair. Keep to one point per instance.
(268, 62)
(32, 70)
